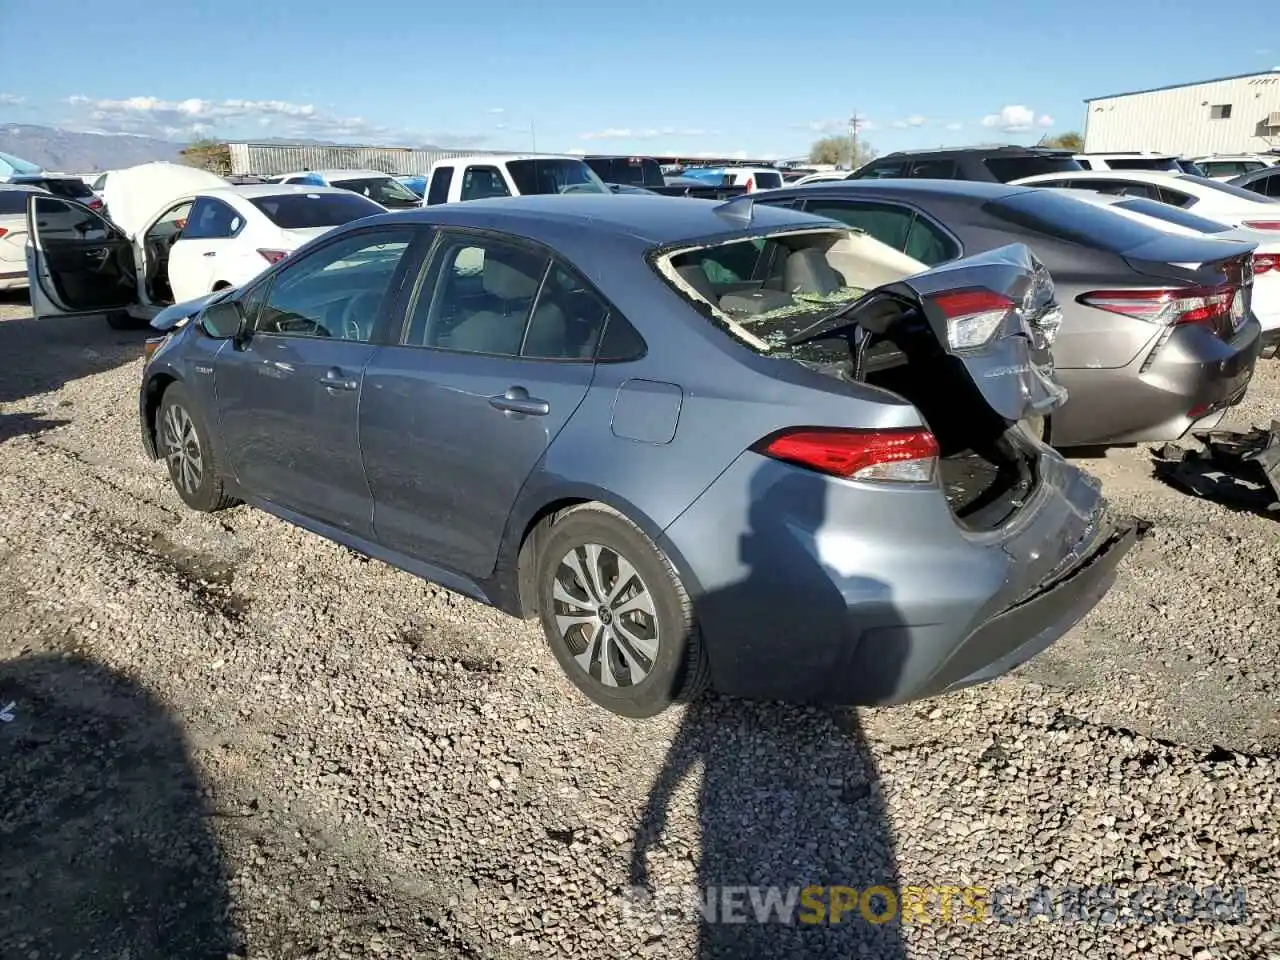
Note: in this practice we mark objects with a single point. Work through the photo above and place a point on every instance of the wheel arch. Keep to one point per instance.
(157, 383)
(535, 513)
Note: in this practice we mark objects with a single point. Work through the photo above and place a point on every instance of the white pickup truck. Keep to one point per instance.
(509, 175)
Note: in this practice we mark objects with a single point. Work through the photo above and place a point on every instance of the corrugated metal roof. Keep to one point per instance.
(1196, 83)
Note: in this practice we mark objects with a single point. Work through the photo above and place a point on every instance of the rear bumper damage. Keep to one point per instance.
(1240, 470)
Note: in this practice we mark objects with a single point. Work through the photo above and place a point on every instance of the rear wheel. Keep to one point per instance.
(183, 441)
(616, 615)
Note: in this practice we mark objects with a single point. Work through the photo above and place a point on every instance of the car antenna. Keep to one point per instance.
(742, 209)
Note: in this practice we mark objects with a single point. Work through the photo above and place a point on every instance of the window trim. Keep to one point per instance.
(894, 201)
(426, 269)
(235, 213)
(395, 289)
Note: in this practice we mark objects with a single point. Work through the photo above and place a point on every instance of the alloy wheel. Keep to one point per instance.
(606, 616)
(182, 449)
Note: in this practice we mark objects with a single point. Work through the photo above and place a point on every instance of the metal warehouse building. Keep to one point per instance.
(1228, 115)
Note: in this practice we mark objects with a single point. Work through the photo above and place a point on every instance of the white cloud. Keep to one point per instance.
(11, 100)
(182, 119)
(915, 120)
(1016, 118)
(577, 152)
(955, 126)
(652, 133)
(497, 109)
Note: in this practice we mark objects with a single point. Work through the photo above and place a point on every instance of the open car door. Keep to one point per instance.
(78, 262)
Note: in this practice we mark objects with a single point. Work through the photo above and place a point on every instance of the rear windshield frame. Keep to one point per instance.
(660, 256)
(287, 202)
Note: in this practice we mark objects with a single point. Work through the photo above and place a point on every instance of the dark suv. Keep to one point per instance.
(998, 164)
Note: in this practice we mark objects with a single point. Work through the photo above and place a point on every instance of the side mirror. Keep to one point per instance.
(223, 320)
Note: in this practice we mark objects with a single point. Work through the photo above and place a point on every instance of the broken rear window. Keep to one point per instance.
(764, 289)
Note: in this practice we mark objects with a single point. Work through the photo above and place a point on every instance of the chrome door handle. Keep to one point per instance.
(334, 380)
(517, 400)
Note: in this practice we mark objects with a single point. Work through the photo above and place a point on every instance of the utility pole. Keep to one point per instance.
(533, 138)
(855, 122)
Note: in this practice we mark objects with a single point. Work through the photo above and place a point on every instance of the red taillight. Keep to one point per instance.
(3, 231)
(1265, 262)
(95, 204)
(902, 455)
(750, 184)
(1178, 305)
(1262, 224)
(274, 256)
(973, 315)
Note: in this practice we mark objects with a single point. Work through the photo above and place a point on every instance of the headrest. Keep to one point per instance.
(696, 277)
(505, 281)
(807, 271)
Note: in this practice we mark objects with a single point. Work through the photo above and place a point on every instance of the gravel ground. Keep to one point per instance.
(229, 737)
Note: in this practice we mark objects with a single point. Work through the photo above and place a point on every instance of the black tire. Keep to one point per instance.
(122, 320)
(205, 492)
(677, 672)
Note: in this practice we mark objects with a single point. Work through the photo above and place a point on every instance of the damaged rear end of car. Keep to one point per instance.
(950, 551)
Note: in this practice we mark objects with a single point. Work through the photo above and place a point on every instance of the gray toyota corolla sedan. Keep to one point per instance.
(705, 443)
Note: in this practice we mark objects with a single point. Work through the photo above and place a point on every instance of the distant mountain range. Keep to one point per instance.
(66, 151)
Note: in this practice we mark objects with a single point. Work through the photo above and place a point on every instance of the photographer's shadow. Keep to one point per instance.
(789, 797)
(105, 847)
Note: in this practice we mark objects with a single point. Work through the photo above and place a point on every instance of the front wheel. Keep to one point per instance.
(183, 441)
(616, 615)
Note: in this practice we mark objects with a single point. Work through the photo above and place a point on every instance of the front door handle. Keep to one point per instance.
(517, 400)
(333, 379)
(210, 253)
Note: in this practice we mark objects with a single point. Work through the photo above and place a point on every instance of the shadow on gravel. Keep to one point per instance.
(790, 797)
(105, 846)
(42, 356)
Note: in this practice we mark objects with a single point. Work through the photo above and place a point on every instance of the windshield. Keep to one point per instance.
(766, 288)
(300, 211)
(383, 190)
(1172, 214)
(1006, 169)
(1238, 192)
(554, 175)
(632, 171)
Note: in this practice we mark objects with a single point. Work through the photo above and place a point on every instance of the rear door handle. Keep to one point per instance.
(334, 379)
(517, 400)
(210, 253)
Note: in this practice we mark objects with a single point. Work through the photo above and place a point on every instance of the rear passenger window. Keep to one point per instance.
(878, 171)
(441, 180)
(1125, 188)
(567, 320)
(888, 223)
(481, 298)
(934, 169)
(481, 182)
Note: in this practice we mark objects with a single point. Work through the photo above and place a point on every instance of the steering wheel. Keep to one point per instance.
(360, 314)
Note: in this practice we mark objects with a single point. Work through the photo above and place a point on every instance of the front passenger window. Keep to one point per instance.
(337, 291)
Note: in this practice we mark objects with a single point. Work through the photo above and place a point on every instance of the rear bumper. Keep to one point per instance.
(847, 594)
(1188, 380)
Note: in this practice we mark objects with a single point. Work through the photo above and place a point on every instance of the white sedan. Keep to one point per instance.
(13, 234)
(201, 234)
(1218, 201)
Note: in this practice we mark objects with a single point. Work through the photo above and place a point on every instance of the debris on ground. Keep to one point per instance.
(1239, 469)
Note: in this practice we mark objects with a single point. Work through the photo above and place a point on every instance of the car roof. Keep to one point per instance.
(904, 186)
(996, 151)
(251, 190)
(1147, 176)
(491, 158)
(26, 187)
(337, 174)
(655, 220)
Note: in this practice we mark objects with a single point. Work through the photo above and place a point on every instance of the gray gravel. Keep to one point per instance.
(231, 737)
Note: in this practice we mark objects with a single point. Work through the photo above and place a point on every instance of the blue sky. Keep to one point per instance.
(764, 79)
